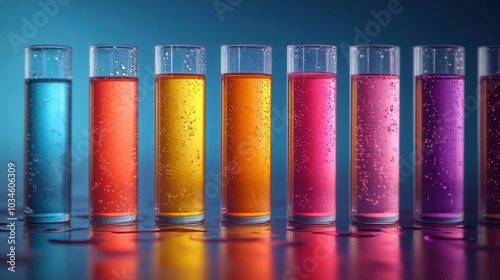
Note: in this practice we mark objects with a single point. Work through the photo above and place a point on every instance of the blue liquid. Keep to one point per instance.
(47, 158)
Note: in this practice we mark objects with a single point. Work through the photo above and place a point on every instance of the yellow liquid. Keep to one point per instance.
(180, 145)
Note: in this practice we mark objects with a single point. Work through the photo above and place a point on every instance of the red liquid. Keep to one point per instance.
(113, 148)
(375, 148)
(490, 149)
(312, 98)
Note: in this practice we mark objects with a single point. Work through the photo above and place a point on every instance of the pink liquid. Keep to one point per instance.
(311, 169)
(375, 148)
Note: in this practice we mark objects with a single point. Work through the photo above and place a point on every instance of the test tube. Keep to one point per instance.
(489, 133)
(113, 134)
(439, 131)
(246, 133)
(47, 145)
(312, 93)
(180, 133)
(374, 133)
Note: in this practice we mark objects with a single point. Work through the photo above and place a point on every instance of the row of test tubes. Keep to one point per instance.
(246, 133)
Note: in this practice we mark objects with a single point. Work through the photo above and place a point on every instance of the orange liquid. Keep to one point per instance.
(180, 145)
(246, 145)
(113, 147)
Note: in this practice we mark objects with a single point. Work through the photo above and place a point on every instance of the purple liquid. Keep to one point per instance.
(375, 148)
(439, 148)
(490, 149)
(312, 147)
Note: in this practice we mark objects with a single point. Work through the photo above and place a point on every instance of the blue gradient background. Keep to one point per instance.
(278, 23)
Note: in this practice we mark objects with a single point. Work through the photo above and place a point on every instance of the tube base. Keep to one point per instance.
(45, 218)
(296, 219)
(113, 220)
(490, 218)
(374, 219)
(228, 219)
(440, 218)
(198, 219)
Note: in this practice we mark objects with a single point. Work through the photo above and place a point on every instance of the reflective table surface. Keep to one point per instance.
(275, 251)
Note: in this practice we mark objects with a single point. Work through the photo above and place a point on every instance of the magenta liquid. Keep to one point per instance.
(311, 168)
(375, 148)
(439, 148)
(490, 149)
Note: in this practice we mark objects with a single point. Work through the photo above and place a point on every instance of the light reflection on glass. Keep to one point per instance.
(246, 252)
(439, 253)
(177, 256)
(114, 255)
(375, 253)
(313, 255)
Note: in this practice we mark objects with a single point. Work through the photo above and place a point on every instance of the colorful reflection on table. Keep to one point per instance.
(488, 253)
(375, 252)
(50, 260)
(246, 252)
(177, 256)
(313, 253)
(114, 254)
(439, 253)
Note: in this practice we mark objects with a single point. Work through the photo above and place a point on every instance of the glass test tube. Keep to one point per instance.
(374, 133)
(246, 133)
(180, 133)
(489, 133)
(312, 93)
(113, 133)
(439, 131)
(47, 146)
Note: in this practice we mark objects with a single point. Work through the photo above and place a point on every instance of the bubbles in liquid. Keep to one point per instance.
(440, 113)
(376, 165)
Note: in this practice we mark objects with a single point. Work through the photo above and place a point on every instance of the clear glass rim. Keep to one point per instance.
(375, 46)
(184, 46)
(456, 47)
(256, 46)
(48, 47)
(487, 47)
(312, 46)
(110, 46)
